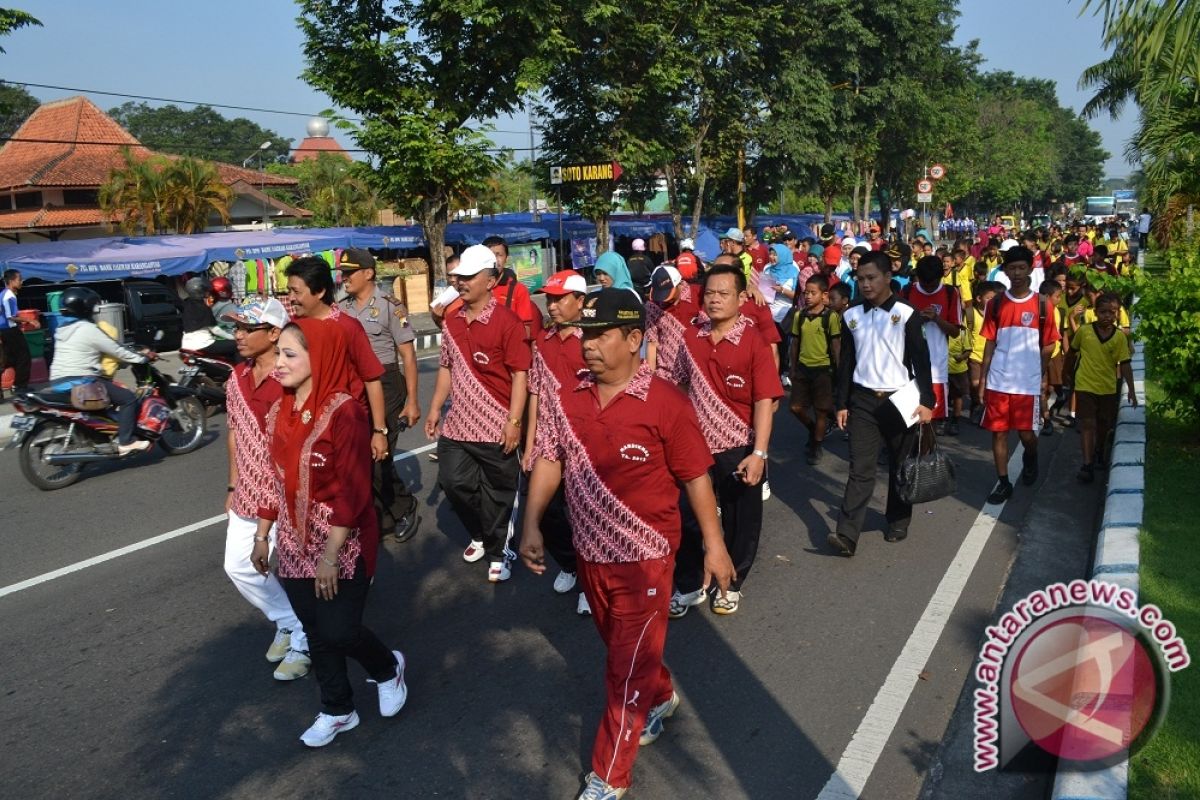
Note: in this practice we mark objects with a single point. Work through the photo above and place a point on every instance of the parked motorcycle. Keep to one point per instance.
(57, 439)
(206, 374)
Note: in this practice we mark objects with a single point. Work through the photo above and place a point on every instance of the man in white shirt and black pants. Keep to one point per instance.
(882, 349)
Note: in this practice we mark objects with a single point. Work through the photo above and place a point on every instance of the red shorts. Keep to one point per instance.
(939, 401)
(1011, 412)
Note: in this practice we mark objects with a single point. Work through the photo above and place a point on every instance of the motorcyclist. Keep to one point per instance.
(79, 344)
(200, 329)
(222, 293)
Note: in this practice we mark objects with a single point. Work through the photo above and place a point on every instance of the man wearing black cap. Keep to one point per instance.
(385, 320)
(669, 313)
(624, 441)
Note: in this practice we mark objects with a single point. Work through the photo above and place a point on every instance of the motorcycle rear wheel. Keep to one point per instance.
(45, 439)
(186, 428)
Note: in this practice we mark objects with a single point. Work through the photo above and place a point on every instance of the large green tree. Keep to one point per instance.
(160, 194)
(16, 104)
(201, 132)
(12, 19)
(337, 191)
(423, 74)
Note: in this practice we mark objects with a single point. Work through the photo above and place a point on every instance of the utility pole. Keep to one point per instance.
(533, 208)
(741, 188)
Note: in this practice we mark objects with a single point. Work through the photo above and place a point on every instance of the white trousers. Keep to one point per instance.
(263, 591)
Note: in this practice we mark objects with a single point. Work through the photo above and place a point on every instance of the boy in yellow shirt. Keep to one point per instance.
(959, 375)
(1103, 349)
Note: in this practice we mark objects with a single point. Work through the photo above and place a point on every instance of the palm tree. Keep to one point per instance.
(338, 191)
(132, 195)
(193, 192)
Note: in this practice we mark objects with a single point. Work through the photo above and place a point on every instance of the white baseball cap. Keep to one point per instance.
(474, 260)
(1007, 244)
(687, 244)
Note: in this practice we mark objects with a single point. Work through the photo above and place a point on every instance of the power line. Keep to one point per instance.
(161, 145)
(189, 102)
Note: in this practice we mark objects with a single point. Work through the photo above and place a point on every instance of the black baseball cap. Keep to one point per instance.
(663, 281)
(827, 233)
(355, 258)
(611, 308)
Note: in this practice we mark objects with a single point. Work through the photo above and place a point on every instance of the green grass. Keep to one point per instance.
(1169, 765)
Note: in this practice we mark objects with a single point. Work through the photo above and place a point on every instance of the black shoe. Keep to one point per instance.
(1086, 474)
(896, 535)
(952, 427)
(841, 543)
(1048, 428)
(1070, 423)
(1001, 493)
(406, 528)
(939, 428)
(977, 415)
(813, 455)
(1029, 473)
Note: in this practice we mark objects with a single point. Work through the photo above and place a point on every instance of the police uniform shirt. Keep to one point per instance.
(385, 319)
(883, 347)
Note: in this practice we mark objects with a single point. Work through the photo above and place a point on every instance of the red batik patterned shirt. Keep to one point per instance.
(665, 328)
(482, 356)
(623, 465)
(246, 407)
(725, 379)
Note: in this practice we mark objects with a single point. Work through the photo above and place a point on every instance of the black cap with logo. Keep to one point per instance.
(611, 308)
(355, 258)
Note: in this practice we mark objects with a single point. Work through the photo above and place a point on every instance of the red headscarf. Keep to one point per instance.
(331, 374)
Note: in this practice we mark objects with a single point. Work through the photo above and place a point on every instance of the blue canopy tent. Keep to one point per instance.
(239, 245)
(103, 259)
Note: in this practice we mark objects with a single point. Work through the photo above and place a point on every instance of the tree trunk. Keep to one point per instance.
(433, 215)
(700, 176)
(854, 201)
(868, 185)
(673, 201)
(828, 200)
(601, 234)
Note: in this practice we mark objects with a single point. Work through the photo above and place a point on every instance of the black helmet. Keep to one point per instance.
(79, 301)
(197, 288)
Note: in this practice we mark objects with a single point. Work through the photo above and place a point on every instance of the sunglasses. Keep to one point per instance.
(252, 328)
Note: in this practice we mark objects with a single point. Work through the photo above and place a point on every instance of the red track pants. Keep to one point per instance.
(629, 606)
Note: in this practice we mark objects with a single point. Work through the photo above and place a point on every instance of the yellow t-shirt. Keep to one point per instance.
(1122, 317)
(1057, 351)
(1117, 247)
(961, 280)
(960, 349)
(1098, 360)
(814, 348)
(977, 340)
(108, 364)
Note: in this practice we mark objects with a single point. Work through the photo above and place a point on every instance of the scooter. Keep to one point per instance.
(206, 374)
(57, 438)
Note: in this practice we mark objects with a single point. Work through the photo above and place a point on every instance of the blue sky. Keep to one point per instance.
(249, 54)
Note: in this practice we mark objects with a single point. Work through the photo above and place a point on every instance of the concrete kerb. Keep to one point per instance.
(425, 340)
(1117, 560)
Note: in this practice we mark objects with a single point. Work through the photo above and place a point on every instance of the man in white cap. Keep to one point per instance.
(687, 262)
(640, 266)
(733, 242)
(249, 395)
(483, 370)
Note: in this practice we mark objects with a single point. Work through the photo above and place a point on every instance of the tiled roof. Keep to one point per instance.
(313, 146)
(50, 217)
(56, 150)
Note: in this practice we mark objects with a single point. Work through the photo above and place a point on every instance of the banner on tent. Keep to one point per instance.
(526, 260)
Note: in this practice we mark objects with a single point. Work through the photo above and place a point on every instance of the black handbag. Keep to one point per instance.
(925, 475)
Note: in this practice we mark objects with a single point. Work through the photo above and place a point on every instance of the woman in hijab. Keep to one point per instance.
(327, 534)
(782, 272)
(610, 270)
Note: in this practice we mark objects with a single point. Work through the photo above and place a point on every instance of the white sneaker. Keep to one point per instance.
(393, 692)
(680, 603)
(280, 645)
(139, 446)
(499, 572)
(294, 665)
(766, 491)
(328, 726)
(565, 582)
(474, 551)
(582, 608)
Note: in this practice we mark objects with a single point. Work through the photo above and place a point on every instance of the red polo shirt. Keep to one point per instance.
(762, 319)
(623, 464)
(725, 379)
(364, 364)
(482, 356)
(665, 326)
(557, 362)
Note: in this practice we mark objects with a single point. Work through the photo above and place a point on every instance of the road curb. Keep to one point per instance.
(1117, 559)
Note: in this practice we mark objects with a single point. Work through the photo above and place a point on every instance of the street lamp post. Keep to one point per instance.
(262, 178)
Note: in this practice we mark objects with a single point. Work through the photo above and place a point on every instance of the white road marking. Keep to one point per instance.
(868, 741)
(111, 554)
(153, 540)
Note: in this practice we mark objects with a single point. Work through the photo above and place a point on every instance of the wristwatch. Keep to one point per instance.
(761, 454)
(383, 431)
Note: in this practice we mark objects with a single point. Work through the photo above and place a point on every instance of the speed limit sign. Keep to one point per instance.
(924, 186)
(937, 172)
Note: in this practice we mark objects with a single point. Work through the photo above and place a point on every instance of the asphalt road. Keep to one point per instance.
(143, 676)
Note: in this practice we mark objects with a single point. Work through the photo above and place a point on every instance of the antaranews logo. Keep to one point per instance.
(1078, 669)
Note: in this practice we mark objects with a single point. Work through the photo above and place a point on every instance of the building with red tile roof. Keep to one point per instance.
(318, 141)
(52, 168)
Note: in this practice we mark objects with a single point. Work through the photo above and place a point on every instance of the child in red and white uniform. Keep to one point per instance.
(940, 307)
(1019, 329)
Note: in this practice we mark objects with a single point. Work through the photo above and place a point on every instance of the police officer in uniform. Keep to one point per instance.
(385, 319)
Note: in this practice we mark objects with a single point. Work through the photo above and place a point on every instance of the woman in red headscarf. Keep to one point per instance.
(327, 534)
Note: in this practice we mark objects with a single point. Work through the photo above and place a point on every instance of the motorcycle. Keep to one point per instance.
(57, 438)
(206, 374)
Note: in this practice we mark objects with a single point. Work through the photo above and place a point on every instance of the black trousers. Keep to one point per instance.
(741, 521)
(16, 355)
(125, 409)
(874, 421)
(556, 532)
(335, 631)
(393, 500)
(480, 482)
